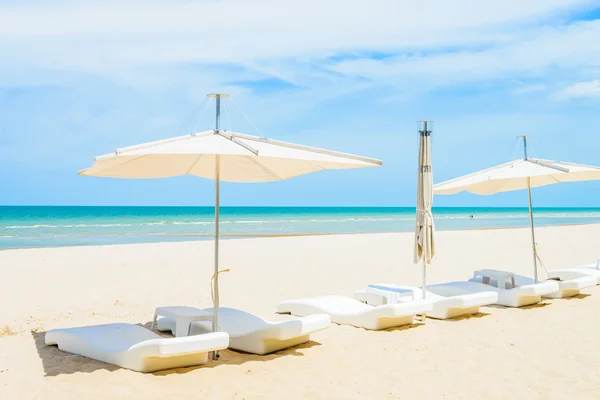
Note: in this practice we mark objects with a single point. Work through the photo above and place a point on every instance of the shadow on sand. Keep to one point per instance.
(541, 304)
(580, 296)
(465, 317)
(56, 362)
(404, 327)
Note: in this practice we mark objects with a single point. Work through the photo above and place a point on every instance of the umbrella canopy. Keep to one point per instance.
(524, 173)
(221, 155)
(424, 228)
(518, 174)
(242, 158)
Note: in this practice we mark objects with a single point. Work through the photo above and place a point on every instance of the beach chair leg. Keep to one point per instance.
(153, 322)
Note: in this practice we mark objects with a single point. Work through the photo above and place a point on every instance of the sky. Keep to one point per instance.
(81, 78)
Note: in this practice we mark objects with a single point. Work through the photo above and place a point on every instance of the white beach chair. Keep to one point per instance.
(348, 311)
(444, 307)
(508, 280)
(136, 348)
(567, 286)
(591, 270)
(252, 334)
(516, 297)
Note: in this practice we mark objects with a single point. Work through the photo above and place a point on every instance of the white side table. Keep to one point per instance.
(392, 292)
(499, 276)
(183, 316)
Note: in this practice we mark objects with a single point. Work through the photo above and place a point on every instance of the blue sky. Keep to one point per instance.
(78, 79)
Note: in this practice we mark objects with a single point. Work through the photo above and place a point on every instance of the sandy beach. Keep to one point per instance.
(548, 351)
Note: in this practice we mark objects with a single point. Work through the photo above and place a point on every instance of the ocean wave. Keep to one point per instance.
(296, 221)
(63, 226)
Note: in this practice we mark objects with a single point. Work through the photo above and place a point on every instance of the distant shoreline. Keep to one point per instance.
(282, 235)
(306, 207)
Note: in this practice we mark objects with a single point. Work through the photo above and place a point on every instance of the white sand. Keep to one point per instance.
(548, 351)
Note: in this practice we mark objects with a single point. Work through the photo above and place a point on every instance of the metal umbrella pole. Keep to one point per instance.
(531, 223)
(215, 323)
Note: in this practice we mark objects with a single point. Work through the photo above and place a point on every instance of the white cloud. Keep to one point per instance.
(110, 35)
(526, 89)
(324, 46)
(589, 89)
(530, 52)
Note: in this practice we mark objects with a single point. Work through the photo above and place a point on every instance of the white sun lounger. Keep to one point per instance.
(517, 297)
(444, 307)
(252, 334)
(348, 311)
(592, 270)
(508, 280)
(136, 348)
(567, 287)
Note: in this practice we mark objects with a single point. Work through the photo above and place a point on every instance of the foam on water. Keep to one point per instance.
(64, 226)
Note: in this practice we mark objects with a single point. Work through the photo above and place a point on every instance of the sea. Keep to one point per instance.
(49, 226)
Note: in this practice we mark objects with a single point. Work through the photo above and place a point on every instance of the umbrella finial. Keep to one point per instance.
(218, 97)
(524, 137)
(425, 127)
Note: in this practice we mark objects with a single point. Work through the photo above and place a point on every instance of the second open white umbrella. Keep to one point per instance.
(524, 173)
(223, 156)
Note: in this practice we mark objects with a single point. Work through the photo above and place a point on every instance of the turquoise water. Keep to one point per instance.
(24, 227)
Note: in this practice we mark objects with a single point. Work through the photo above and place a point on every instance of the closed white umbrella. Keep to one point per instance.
(424, 228)
(524, 173)
(223, 156)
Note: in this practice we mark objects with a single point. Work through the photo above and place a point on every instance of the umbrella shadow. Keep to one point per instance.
(580, 296)
(403, 327)
(57, 362)
(233, 357)
(467, 317)
(542, 304)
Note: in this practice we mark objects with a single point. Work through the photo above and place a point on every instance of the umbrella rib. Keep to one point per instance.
(235, 140)
(548, 165)
(265, 168)
(316, 165)
(307, 148)
(194, 164)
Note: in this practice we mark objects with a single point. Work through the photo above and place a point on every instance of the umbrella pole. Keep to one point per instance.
(535, 272)
(423, 286)
(215, 324)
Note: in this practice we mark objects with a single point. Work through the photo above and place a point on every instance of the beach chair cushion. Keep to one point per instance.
(516, 297)
(444, 307)
(252, 334)
(135, 347)
(348, 311)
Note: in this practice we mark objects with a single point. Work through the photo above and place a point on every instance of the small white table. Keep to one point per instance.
(183, 316)
(500, 277)
(393, 293)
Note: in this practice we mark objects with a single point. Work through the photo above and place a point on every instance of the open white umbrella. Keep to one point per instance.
(524, 173)
(424, 227)
(223, 156)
